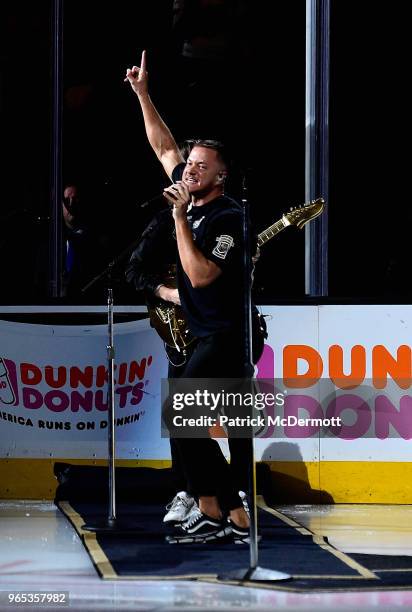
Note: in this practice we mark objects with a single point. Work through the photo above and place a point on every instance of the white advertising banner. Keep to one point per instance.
(365, 351)
(53, 388)
(53, 384)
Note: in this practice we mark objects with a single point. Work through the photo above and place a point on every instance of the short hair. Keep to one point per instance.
(185, 147)
(215, 145)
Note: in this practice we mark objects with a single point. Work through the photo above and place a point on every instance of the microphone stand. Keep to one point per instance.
(253, 573)
(111, 524)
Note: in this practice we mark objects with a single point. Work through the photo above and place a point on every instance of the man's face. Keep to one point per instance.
(70, 203)
(204, 171)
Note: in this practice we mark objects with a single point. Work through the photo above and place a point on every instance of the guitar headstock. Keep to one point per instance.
(300, 215)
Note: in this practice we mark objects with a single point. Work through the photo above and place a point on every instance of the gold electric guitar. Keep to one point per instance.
(169, 320)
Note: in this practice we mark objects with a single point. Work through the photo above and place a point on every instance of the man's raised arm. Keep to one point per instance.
(158, 134)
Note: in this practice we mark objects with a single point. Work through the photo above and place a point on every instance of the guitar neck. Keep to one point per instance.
(272, 231)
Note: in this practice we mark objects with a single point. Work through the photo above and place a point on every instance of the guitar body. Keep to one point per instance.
(168, 319)
(170, 323)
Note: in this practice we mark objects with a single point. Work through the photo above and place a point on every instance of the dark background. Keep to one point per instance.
(251, 94)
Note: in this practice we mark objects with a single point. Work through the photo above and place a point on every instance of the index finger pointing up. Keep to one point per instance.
(143, 62)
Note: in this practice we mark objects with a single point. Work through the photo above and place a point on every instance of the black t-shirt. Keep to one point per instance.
(217, 232)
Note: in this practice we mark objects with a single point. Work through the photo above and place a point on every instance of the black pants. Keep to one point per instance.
(199, 464)
(177, 363)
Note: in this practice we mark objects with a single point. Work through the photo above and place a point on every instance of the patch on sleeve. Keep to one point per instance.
(224, 243)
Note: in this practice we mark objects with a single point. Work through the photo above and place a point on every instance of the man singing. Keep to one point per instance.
(208, 230)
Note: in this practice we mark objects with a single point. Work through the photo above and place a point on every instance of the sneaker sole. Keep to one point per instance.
(200, 539)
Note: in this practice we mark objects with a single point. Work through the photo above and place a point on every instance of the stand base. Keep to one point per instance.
(257, 574)
(113, 526)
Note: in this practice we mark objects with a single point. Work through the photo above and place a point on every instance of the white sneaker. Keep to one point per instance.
(243, 497)
(179, 509)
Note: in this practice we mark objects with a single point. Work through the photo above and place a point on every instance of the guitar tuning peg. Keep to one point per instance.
(291, 208)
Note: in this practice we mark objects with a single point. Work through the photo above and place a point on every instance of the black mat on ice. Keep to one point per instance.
(313, 564)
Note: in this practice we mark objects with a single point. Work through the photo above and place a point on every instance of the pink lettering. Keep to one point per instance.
(30, 374)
